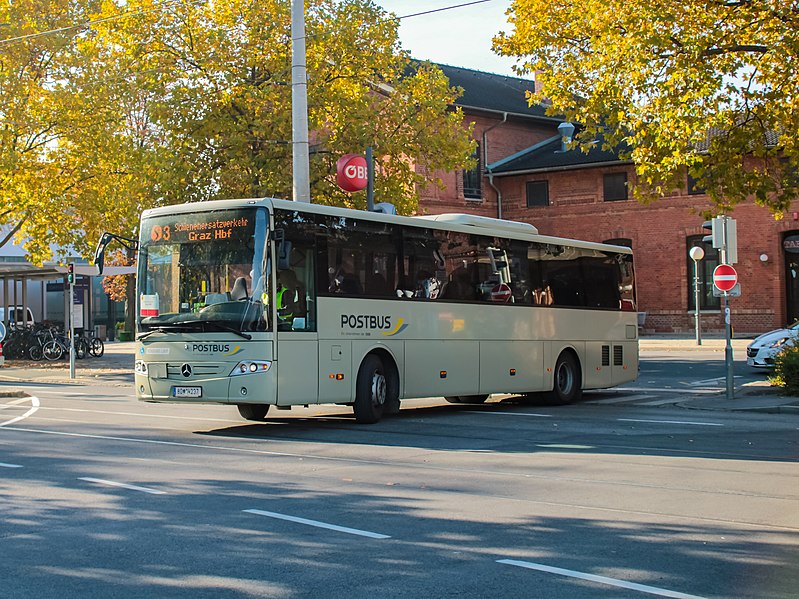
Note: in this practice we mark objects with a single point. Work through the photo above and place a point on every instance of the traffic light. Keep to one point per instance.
(71, 273)
(716, 228)
(723, 236)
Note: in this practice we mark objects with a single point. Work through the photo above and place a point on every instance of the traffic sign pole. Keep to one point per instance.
(725, 278)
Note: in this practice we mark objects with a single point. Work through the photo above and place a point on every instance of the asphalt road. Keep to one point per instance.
(106, 497)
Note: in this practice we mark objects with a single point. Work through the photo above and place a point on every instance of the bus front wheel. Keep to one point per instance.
(255, 412)
(370, 390)
(567, 385)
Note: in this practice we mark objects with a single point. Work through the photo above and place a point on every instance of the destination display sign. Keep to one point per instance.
(202, 227)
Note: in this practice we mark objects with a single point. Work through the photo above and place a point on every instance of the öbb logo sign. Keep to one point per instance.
(351, 172)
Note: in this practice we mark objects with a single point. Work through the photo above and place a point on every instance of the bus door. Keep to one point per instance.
(296, 336)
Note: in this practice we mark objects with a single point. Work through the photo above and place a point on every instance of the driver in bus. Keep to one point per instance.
(290, 297)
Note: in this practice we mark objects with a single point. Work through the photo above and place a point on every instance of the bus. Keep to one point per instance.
(268, 302)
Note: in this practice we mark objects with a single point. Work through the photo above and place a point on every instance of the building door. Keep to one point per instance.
(790, 245)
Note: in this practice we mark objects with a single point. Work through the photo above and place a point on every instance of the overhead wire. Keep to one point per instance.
(161, 5)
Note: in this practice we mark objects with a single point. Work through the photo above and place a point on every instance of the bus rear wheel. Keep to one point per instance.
(255, 412)
(370, 390)
(567, 385)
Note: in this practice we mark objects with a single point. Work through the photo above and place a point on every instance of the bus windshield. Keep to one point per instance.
(203, 271)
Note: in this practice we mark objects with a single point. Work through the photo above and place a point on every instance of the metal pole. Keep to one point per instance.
(696, 303)
(71, 330)
(697, 253)
(728, 348)
(726, 307)
(301, 183)
(370, 180)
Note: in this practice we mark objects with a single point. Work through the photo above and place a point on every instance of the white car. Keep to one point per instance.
(762, 351)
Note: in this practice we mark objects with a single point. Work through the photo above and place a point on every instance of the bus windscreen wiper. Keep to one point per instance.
(199, 325)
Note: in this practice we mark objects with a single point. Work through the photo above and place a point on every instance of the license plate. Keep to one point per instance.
(187, 391)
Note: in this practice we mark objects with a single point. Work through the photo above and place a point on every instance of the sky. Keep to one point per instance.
(460, 37)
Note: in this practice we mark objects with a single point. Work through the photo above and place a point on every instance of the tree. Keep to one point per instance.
(35, 178)
(223, 106)
(146, 102)
(703, 86)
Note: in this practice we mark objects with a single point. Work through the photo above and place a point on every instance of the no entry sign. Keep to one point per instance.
(725, 277)
(501, 293)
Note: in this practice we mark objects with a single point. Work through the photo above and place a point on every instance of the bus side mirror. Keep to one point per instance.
(99, 252)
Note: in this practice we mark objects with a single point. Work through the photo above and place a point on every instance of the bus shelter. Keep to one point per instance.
(15, 276)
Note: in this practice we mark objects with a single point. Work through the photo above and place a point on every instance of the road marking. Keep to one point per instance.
(316, 523)
(34, 407)
(600, 579)
(112, 483)
(2, 465)
(509, 413)
(671, 390)
(671, 422)
(719, 380)
(617, 399)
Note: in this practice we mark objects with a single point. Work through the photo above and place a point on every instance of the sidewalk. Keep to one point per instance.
(116, 368)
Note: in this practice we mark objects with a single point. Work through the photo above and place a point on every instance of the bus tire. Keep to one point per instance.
(370, 390)
(567, 386)
(453, 399)
(252, 411)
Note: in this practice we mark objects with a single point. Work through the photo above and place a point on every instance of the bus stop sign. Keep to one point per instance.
(725, 277)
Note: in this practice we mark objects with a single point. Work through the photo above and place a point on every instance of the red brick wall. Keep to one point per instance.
(503, 139)
(658, 232)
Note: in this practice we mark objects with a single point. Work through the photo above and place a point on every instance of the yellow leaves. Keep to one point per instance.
(677, 80)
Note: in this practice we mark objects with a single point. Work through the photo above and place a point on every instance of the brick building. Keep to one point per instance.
(525, 175)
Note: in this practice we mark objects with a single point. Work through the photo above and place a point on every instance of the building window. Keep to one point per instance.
(615, 187)
(693, 187)
(705, 267)
(537, 193)
(472, 179)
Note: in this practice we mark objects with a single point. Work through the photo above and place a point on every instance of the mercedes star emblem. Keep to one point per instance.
(185, 370)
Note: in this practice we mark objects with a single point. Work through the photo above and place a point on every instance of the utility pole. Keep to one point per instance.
(301, 178)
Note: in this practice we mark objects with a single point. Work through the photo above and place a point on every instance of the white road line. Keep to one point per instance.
(34, 407)
(617, 399)
(351, 531)
(14, 402)
(600, 579)
(668, 390)
(509, 413)
(670, 422)
(112, 483)
(2, 465)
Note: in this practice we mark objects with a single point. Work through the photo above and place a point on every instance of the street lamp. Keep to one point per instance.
(696, 253)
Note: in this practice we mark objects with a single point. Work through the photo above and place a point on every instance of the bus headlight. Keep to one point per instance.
(250, 367)
(140, 366)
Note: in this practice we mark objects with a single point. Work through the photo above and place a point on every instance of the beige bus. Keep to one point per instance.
(270, 302)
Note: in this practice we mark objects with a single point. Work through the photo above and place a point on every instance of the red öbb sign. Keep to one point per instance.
(351, 172)
(725, 277)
